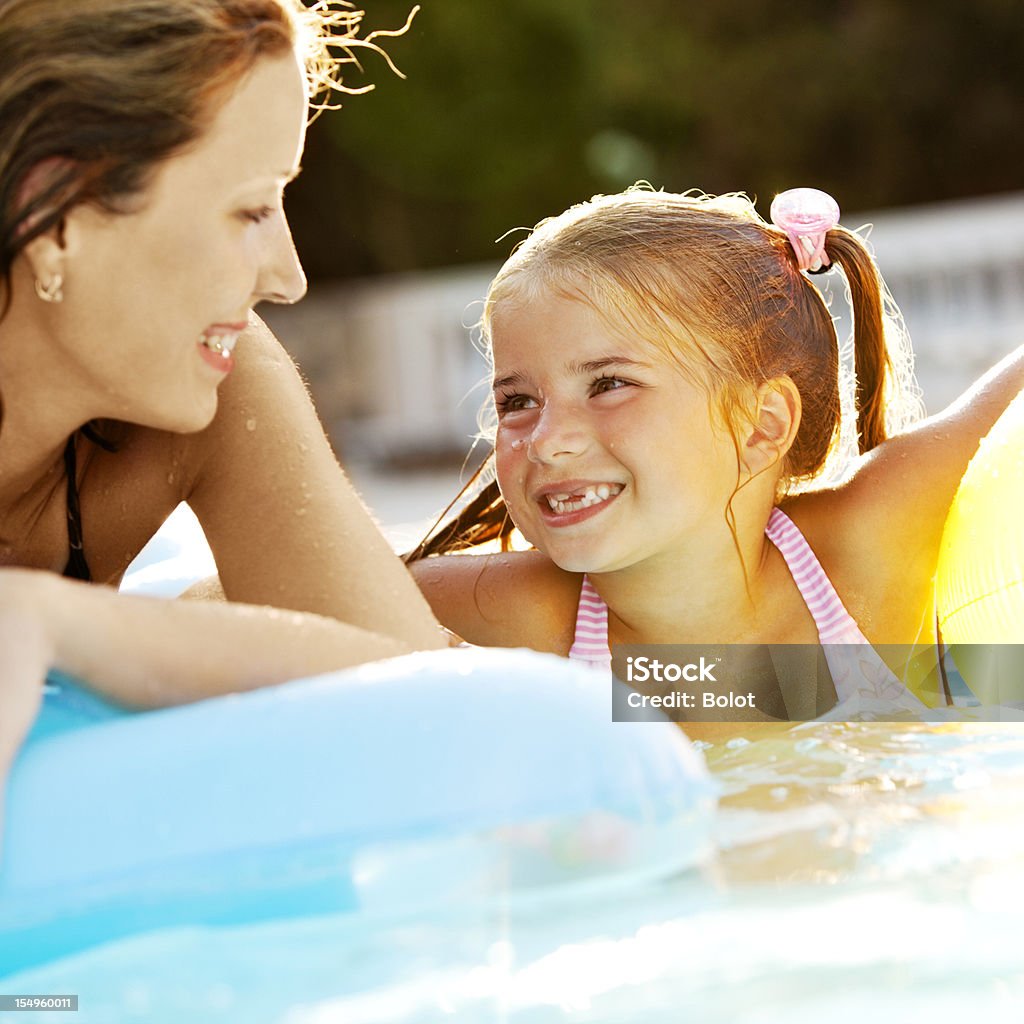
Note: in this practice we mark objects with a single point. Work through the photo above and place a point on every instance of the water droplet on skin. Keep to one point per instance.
(170, 478)
(300, 511)
(250, 425)
(303, 447)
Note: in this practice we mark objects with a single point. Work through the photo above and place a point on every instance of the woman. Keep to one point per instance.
(144, 149)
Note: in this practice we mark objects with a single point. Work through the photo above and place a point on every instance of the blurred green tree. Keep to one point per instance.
(512, 111)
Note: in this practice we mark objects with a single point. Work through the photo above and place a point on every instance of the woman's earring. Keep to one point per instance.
(52, 292)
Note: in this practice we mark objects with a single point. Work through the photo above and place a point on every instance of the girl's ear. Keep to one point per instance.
(773, 425)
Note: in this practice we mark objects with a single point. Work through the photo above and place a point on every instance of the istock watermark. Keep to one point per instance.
(800, 682)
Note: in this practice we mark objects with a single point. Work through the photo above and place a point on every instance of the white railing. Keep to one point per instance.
(391, 361)
(395, 374)
(956, 271)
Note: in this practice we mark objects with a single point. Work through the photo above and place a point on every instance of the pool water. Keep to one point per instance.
(862, 872)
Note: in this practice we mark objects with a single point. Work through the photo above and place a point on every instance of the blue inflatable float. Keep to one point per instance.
(391, 788)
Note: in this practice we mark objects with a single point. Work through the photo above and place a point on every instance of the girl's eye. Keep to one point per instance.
(513, 403)
(603, 384)
(258, 215)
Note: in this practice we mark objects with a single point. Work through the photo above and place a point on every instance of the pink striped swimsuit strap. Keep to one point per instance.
(834, 622)
(591, 640)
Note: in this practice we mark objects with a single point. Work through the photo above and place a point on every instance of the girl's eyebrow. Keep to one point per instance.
(590, 366)
(506, 382)
(596, 365)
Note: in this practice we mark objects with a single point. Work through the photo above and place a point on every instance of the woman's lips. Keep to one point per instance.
(216, 345)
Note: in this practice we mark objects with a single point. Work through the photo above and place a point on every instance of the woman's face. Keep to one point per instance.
(154, 299)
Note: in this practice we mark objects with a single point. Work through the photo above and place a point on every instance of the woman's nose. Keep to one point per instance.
(282, 278)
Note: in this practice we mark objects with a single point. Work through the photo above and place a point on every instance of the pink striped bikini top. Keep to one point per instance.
(861, 675)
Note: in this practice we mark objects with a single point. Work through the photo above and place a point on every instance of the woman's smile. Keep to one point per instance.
(217, 344)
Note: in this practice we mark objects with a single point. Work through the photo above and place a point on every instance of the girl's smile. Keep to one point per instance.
(572, 501)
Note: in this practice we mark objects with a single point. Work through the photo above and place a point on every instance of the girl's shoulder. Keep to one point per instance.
(894, 503)
(877, 541)
(507, 599)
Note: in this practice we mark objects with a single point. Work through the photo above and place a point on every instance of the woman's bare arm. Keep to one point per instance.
(149, 652)
(284, 523)
(23, 657)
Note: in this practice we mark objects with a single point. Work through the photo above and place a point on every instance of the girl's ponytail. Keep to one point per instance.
(872, 362)
(484, 519)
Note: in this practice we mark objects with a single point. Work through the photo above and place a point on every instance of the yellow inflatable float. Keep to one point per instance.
(980, 576)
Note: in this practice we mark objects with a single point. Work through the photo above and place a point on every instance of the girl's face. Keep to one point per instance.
(607, 456)
(155, 298)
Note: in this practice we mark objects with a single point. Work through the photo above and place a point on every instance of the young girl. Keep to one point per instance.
(667, 390)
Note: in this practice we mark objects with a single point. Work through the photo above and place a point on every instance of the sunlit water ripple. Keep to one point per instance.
(863, 872)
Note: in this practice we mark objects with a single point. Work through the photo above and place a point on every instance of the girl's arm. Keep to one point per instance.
(285, 525)
(925, 463)
(879, 534)
(514, 599)
(146, 652)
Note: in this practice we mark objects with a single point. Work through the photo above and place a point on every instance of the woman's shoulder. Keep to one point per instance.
(506, 599)
(130, 479)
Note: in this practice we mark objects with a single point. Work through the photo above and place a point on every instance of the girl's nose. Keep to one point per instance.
(560, 433)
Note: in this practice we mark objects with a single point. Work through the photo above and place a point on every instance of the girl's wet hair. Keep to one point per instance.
(94, 94)
(707, 281)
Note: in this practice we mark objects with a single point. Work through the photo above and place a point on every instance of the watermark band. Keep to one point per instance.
(801, 682)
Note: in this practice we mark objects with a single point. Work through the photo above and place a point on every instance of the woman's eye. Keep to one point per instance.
(258, 215)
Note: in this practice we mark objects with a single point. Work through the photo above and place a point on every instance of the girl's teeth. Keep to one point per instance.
(562, 503)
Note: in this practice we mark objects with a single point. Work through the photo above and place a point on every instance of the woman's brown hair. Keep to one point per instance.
(95, 93)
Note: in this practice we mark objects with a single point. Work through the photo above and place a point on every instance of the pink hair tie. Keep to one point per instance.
(806, 214)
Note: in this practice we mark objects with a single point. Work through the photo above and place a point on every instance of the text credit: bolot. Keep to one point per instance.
(679, 683)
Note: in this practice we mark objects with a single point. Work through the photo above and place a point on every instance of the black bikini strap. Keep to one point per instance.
(77, 567)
